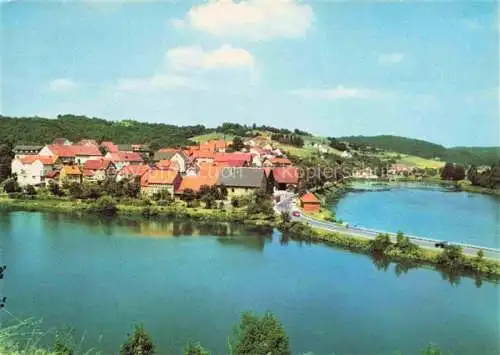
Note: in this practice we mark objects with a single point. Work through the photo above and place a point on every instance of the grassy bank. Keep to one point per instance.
(468, 187)
(141, 208)
(451, 262)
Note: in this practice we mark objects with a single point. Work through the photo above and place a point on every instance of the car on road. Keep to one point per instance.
(442, 244)
(296, 213)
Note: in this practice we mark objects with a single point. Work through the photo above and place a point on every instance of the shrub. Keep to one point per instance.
(138, 343)
(104, 205)
(259, 335)
(195, 349)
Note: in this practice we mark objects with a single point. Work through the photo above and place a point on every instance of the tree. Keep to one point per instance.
(6, 157)
(11, 186)
(480, 254)
(238, 144)
(459, 173)
(30, 190)
(380, 243)
(448, 171)
(104, 205)
(223, 192)
(75, 190)
(55, 189)
(138, 343)
(189, 196)
(472, 175)
(260, 335)
(451, 257)
(193, 348)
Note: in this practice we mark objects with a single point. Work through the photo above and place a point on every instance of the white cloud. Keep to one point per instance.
(195, 57)
(339, 93)
(157, 83)
(391, 58)
(62, 85)
(257, 20)
(177, 23)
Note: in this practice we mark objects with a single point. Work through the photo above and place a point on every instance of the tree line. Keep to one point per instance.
(291, 139)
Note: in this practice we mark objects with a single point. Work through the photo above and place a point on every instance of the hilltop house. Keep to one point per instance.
(242, 181)
(32, 169)
(155, 181)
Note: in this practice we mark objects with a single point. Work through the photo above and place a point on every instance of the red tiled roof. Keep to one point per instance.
(90, 150)
(195, 183)
(52, 174)
(96, 164)
(125, 156)
(109, 146)
(218, 143)
(309, 198)
(69, 151)
(233, 157)
(44, 159)
(87, 142)
(159, 177)
(164, 164)
(288, 175)
(168, 150)
(134, 170)
(203, 154)
(282, 161)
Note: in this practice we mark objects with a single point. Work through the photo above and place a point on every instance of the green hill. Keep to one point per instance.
(428, 150)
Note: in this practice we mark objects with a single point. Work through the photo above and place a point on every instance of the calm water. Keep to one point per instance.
(435, 213)
(104, 277)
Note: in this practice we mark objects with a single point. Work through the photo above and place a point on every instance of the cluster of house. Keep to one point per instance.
(258, 166)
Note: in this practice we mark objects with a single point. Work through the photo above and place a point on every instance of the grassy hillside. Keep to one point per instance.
(428, 150)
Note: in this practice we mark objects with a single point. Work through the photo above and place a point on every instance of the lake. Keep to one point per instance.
(191, 282)
(427, 212)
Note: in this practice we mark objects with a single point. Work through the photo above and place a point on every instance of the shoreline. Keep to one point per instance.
(487, 269)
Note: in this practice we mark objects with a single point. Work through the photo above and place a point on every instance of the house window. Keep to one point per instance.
(232, 190)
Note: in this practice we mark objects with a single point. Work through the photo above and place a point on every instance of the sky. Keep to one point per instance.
(421, 69)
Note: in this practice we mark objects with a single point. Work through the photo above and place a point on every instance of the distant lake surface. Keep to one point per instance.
(184, 282)
(428, 212)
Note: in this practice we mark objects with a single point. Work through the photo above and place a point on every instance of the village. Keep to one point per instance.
(177, 172)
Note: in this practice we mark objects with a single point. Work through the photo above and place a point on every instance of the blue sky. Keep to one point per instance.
(420, 69)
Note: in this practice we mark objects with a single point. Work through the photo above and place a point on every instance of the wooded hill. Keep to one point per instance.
(37, 130)
(428, 150)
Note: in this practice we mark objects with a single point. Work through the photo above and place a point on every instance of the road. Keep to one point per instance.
(286, 205)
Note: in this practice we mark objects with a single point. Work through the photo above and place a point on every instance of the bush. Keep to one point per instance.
(11, 186)
(195, 349)
(380, 244)
(260, 335)
(138, 343)
(30, 190)
(104, 205)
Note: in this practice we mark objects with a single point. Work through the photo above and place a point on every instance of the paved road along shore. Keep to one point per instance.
(370, 234)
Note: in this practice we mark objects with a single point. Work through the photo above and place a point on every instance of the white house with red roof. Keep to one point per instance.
(78, 154)
(98, 169)
(32, 169)
(121, 159)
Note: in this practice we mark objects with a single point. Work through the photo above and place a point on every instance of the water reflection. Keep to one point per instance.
(228, 235)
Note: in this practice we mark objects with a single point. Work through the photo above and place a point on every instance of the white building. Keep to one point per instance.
(32, 169)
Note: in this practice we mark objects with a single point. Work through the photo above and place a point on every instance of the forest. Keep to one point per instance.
(428, 150)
